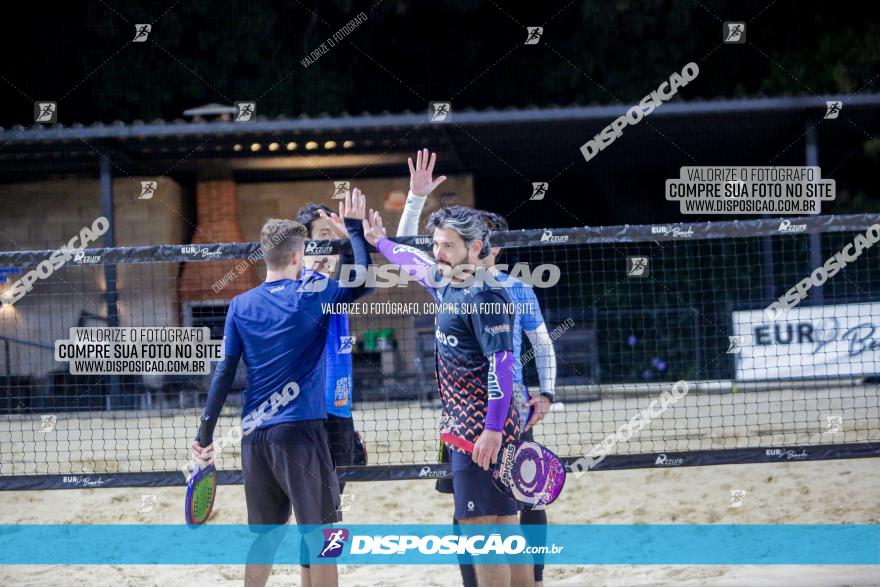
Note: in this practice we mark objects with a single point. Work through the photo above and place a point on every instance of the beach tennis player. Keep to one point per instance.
(324, 224)
(530, 321)
(279, 329)
(474, 368)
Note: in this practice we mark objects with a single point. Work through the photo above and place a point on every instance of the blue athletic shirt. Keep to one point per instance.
(529, 319)
(338, 369)
(280, 330)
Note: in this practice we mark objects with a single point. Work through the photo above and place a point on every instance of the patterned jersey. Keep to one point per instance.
(471, 326)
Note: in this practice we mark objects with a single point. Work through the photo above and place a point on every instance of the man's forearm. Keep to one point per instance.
(545, 359)
(361, 255)
(412, 212)
(220, 386)
(415, 262)
(500, 389)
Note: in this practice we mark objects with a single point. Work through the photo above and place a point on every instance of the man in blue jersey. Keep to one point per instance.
(323, 224)
(280, 330)
(530, 321)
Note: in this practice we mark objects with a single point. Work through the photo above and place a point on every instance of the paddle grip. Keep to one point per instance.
(205, 433)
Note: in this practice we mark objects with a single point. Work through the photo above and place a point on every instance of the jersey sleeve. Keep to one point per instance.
(224, 374)
(529, 311)
(492, 328)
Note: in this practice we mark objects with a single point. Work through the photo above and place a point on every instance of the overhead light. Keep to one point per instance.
(311, 146)
(256, 147)
(273, 146)
(348, 144)
(291, 146)
(236, 148)
(330, 145)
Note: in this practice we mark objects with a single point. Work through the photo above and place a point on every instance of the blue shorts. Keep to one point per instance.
(475, 493)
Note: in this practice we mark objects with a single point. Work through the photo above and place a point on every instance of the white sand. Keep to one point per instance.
(807, 492)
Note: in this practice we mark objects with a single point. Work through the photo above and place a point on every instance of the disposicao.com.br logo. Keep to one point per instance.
(449, 544)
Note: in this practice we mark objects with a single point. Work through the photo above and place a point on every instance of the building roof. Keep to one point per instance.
(498, 141)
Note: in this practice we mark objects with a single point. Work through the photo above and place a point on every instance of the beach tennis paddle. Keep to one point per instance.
(526, 471)
(360, 450)
(202, 486)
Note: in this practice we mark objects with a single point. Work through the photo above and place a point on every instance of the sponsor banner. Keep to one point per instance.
(815, 341)
(442, 544)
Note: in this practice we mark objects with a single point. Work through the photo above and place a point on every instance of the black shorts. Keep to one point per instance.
(475, 492)
(340, 433)
(289, 464)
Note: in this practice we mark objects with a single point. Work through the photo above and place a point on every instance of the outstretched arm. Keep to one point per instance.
(421, 183)
(220, 386)
(545, 359)
(415, 262)
(353, 210)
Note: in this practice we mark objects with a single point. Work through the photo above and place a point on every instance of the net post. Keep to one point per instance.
(111, 295)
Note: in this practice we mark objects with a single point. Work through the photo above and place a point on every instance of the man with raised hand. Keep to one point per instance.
(421, 184)
(324, 224)
(475, 364)
(280, 330)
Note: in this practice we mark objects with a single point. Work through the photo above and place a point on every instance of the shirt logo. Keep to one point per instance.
(492, 385)
(448, 340)
(495, 330)
(340, 395)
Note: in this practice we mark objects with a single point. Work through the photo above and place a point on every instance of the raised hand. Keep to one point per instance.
(373, 228)
(337, 226)
(420, 175)
(354, 206)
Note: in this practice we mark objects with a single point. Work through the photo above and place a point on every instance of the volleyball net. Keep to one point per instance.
(634, 310)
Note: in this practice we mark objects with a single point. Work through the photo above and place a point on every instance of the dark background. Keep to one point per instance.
(472, 53)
